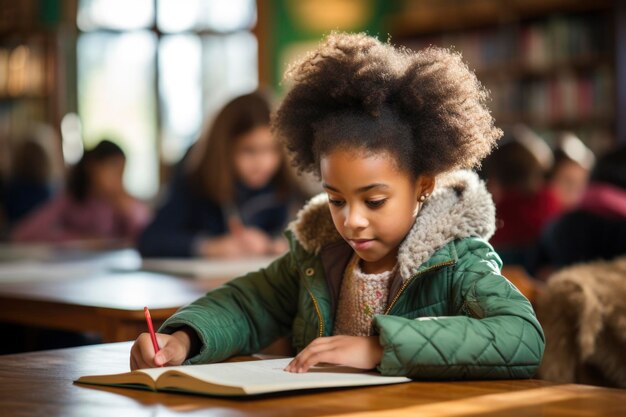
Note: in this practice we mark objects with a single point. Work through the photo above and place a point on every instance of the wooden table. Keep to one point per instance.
(40, 384)
(110, 304)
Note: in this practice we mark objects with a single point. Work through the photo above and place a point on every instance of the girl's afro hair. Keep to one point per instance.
(425, 108)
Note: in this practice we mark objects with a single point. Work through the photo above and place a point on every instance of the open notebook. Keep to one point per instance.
(240, 378)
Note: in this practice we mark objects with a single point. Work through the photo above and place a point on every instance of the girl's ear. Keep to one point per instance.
(425, 186)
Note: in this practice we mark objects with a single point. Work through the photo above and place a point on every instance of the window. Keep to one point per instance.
(150, 72)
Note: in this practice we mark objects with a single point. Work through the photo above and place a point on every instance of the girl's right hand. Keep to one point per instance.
(251, 240)
(227, 246)
(279, 246)
(246, 242)
(173, 351)
(255, 241)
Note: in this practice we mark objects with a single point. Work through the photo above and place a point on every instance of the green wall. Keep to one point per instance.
(291, 30)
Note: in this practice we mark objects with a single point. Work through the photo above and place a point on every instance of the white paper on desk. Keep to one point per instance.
(265, 376)
(68, 265)
(11, 252)
(206, 268)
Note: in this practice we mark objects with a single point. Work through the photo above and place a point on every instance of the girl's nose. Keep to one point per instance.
(354, 219)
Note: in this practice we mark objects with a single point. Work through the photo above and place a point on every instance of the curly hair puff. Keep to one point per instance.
(426, 108)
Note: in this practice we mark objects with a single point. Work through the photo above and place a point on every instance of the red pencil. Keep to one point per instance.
(146, 313)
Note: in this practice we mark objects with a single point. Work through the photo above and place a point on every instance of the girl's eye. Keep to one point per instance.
(336, 203)
(375, 203)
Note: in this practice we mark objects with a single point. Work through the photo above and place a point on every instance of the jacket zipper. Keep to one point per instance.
(409, 281)
(317, 310)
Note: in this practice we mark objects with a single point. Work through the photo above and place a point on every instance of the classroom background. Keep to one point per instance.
(148, 74)
(143, 80)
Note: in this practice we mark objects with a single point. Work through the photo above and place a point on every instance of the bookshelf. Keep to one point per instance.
(32, 69)
(553, 65)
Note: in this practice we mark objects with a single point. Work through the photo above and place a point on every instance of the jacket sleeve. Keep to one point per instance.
(495, 335)
(168, 234)
(243, 316)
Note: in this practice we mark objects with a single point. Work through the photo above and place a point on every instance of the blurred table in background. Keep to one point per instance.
(20, 263)
(103, 292)
(206, 268)
(108, 303)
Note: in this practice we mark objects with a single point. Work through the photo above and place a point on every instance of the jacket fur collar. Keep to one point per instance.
(460, 206)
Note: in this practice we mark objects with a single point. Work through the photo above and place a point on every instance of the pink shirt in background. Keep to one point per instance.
(605, 199)
(64, 219)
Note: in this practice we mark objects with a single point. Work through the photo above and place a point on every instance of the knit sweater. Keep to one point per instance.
(360, 298)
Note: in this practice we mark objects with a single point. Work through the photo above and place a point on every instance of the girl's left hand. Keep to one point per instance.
(363, 352)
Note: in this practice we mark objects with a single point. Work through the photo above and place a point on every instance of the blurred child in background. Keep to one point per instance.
(570, 172)
(29, 185)
(515, 174)
(596, 229)
(233, 195)
(35, 171)
(95, 205)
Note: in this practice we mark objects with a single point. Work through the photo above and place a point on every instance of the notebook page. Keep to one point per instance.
(155, 373)
(268, 376)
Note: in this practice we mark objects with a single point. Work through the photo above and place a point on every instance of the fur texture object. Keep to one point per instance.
(583, 313)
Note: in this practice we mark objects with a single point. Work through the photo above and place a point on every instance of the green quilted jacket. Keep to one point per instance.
(450, 314)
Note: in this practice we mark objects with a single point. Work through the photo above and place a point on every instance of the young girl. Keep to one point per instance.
(390, 268)
(95, 206)
(233, 193)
